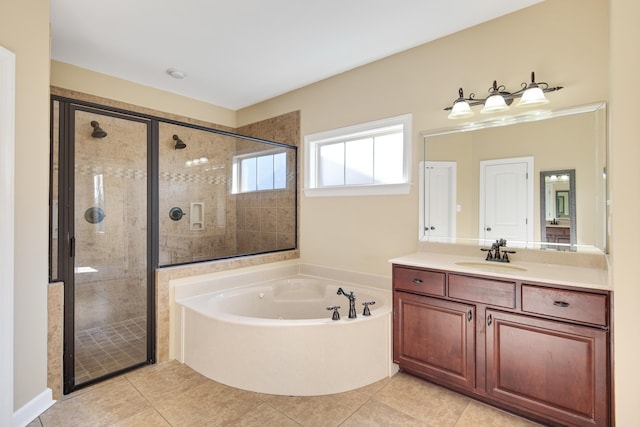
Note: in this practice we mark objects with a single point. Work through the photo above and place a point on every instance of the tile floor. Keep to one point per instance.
(105, 349)
(172, 394)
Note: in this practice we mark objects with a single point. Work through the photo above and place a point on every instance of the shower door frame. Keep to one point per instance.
(66, 227)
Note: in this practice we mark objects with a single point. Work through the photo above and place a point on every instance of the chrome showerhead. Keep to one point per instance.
(179, 143)
(97, 130)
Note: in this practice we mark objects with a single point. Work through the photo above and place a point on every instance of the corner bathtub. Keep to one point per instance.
(278, 337)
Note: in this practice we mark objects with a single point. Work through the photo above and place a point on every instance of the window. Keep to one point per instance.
(366, 159)
(259, 172)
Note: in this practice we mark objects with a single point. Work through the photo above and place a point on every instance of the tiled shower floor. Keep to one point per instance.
(102, 350)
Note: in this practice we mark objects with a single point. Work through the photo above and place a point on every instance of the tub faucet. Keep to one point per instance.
(352, 302)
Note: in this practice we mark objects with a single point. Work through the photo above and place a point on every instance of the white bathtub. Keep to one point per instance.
(278, 337)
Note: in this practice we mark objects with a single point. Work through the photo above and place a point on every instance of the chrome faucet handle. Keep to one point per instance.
(335, 315)
(366, 311)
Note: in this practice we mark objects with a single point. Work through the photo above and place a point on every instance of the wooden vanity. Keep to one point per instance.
(537, 349)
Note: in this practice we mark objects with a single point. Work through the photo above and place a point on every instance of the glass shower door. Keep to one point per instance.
(109, 244)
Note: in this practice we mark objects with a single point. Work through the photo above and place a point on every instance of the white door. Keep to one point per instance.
(440, 201)
(506, 201)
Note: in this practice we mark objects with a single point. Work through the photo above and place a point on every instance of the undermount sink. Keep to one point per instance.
(491, 266)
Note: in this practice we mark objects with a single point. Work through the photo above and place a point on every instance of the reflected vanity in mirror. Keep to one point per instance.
(476, 210)
(558, 209)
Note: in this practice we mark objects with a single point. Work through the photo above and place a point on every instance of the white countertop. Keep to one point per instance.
(559, 274)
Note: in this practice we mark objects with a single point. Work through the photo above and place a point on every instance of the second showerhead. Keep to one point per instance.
(179, 143)
(97, 130)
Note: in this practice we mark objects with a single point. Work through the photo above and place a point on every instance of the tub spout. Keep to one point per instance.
(352, 302)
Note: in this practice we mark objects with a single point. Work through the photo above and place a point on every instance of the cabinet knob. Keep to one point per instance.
(417, 281)
(469, 316)
(432, 227)
(488, 228)
(489, 320)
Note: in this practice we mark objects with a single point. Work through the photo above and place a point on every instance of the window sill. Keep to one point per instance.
(359, 190)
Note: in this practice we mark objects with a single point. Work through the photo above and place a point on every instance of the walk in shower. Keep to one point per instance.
(223, 196)
(131, 193)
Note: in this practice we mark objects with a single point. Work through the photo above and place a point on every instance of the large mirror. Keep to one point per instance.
(485, 180)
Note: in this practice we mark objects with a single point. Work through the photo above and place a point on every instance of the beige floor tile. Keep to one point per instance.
(312, 411)
(209, 404)
(478, 414)
(158, 382)
(372, 389)
(101, 406)
(35, 423)
(264, 416)
(147, 418)
(433, 405)
(374, 413)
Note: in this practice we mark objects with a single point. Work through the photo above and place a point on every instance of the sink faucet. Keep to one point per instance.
(493, 254)
(352, 302)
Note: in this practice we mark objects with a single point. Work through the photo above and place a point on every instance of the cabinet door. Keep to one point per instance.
(550, 368)
(435, 338)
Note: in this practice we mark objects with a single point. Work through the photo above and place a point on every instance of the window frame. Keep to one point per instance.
(236, 187)
(312, 142)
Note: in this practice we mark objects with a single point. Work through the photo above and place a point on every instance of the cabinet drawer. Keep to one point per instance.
(493, 292)
(419, 281)
(571, 305)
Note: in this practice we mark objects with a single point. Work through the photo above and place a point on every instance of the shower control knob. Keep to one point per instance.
(176, 214)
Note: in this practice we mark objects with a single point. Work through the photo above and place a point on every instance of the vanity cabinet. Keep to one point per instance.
(557, 234)
(538, 350)
(436, 338)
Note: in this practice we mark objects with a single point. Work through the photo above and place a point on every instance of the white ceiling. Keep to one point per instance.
(239, 52)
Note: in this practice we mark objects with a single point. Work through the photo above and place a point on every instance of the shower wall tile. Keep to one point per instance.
(268, 241)
(286, 240)
(55, 310)
(268, 220)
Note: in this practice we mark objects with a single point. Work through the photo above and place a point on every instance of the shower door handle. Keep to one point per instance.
(72, 247)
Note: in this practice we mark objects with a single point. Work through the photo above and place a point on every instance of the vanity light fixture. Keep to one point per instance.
(500, 99)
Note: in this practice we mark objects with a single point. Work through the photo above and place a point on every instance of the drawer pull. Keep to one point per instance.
(561, 304)
(469, 316)
(417, 281)
(489, 320)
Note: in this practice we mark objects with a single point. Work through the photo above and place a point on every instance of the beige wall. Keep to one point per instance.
(82, 80)
(625, 182)
(24, 29)
(362, 233)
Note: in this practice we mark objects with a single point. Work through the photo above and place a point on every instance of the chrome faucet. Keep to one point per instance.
(352, 302)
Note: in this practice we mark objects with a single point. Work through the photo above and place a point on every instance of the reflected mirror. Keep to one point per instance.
(558, 209)
(464, 201)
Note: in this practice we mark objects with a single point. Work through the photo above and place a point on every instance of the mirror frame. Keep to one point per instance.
(572, 209)
(531, 116)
